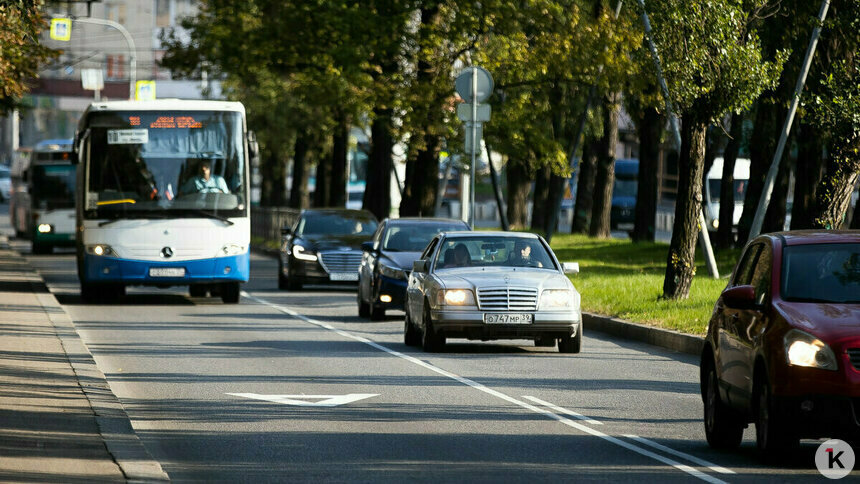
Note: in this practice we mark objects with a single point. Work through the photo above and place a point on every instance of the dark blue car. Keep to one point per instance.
(624, 193)
(387, 261)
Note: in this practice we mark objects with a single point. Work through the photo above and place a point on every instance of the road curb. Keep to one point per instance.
(118, 435)
(664, 338)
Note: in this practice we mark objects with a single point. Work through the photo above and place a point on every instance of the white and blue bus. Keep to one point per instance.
(163, 197)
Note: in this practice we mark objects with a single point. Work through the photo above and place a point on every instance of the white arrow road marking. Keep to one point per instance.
(478, 386)
(309, 400)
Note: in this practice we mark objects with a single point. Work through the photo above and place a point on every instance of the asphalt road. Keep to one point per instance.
(295, 387)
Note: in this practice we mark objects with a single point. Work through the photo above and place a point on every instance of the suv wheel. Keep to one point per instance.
(723, 428)
(773, 439)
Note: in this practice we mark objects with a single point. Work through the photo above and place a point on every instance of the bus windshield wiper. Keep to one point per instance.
(132, 216)
(214, 215)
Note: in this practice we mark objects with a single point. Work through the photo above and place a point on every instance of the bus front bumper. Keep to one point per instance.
(157, 273)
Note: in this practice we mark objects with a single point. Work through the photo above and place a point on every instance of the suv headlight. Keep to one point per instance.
(559, 298)
(100, 250)
(231, 249)
(803, 349)
(392, 272)
(455, 297)
(302, 253)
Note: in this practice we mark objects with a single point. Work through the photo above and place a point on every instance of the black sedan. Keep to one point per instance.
(388, 258)
(323, 245)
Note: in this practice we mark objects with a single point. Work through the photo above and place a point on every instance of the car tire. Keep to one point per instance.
(571, 344)
(197, 290)
(230, 292)
(773, 439)
(377, 313)
(431, 340)
(282, 281)
(363, 307)
(724, 428)
(411, 335)
(291, 283)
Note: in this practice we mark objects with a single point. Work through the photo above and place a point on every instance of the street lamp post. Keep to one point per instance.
(132, 55)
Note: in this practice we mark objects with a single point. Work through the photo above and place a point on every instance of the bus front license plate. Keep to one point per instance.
(515, 318)
(167, 272)
(343, 276)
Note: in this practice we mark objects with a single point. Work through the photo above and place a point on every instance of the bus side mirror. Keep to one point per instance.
(73, 157)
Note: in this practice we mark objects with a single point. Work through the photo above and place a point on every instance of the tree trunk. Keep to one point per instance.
(299, 188)
(322, 187)
(605, 176)
(761, 147)
(422, 176)
(339, 162)
(377, 192)
(269, 168)
(518, 193)
(681, 261)
(834, 192)
(650, 127)
(774, 218)
(855, 220)
(540, 200)
(809, 172)
(585, 188)
(725, 231)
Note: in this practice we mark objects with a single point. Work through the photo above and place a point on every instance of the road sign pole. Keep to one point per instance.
(474, 146)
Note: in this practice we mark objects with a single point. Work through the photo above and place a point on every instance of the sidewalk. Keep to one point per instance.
(59, 420)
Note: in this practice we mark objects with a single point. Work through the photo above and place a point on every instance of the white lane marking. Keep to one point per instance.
(477, 386)
(678, 453)
(309, 400)
(563, 410)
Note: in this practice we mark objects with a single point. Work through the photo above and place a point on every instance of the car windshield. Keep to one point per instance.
(175, 163)
(336, 224)
(485, 251)
(821, 273)
(414, 237)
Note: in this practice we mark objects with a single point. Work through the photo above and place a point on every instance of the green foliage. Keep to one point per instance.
(711, 55)
(20, 50)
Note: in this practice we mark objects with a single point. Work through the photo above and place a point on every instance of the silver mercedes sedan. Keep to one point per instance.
(492, 285)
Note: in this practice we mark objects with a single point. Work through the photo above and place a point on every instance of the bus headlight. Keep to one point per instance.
(100, 250)
(302, 253)
(45, 228)
(715, 223)
(231, 249)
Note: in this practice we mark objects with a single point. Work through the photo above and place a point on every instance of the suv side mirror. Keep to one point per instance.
(367, 246)
(739, 297)
(419, 266)
(570, 267)
(285, 231)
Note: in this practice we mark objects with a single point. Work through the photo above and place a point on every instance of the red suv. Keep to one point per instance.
(783, 343)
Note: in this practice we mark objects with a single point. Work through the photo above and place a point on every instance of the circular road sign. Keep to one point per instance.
(464, 84)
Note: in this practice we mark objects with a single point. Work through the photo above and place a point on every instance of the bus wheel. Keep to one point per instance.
(230, 292)
(42, 248)
(89, 292)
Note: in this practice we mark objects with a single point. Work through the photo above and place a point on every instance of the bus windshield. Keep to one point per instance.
(53, 186)
(162, 163)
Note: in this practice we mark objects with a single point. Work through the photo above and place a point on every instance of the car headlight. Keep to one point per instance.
(803, 349)
(231, 249)
(392, 272)
(559, 298)
(455, 297)
(302, 253)
(100, 250)
(715, 223)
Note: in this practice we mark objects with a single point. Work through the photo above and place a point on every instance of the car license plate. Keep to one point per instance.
(166, 272)
(343, 276)
(506, 318)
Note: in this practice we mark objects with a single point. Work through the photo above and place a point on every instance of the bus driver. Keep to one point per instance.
(205, 182)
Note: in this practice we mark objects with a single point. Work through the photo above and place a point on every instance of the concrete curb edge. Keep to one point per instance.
(114, 425)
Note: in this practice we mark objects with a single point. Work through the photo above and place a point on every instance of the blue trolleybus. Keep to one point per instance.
(162, 197)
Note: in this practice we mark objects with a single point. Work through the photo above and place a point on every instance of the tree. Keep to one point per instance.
(20, 50)
(713, 64)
